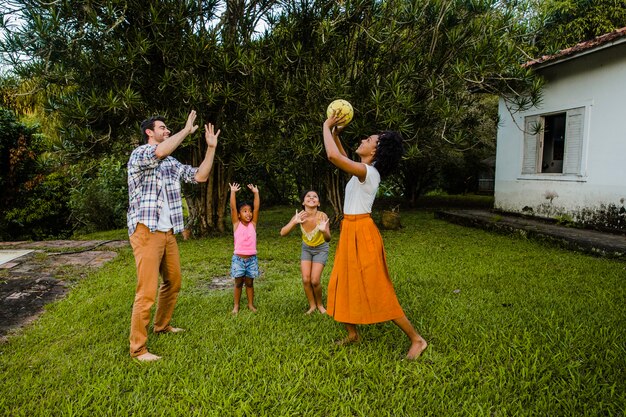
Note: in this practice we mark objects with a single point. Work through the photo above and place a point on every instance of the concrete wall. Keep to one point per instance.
(596, 82)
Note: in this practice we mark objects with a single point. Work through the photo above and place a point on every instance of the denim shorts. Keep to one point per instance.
(317, 254)
(244, 267)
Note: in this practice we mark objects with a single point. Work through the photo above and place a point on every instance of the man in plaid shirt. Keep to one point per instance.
(155, 214)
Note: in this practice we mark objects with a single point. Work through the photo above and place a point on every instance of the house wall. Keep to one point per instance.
(597, 82)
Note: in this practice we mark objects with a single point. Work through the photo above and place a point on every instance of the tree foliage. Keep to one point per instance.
(34, 197)
(99, 201)
(559, 24)
(423, 67)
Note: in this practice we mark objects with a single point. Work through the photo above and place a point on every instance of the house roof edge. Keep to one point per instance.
(583, 48)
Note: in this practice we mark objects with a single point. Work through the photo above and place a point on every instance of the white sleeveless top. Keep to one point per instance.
(360, 196)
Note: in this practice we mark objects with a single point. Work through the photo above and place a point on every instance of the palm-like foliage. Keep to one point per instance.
(420, 67)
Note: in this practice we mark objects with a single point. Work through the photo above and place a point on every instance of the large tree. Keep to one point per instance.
(424, 68)
(106, 65)
(421, 67)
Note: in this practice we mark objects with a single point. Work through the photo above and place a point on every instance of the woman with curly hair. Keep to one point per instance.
(360, 289)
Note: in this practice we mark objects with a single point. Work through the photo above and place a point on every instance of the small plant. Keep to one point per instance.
(391, 218)
(565, 220)
(438, 192)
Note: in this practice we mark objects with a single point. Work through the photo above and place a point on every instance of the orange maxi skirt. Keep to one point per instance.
(360, 290)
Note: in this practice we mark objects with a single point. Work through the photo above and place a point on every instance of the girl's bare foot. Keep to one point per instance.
(347, 340)
(321, 309)
(310, 310)
(252, 308)
(235, 310)
(416, 349)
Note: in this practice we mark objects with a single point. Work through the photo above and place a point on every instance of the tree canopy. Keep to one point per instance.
(427, 68)
(563, 23)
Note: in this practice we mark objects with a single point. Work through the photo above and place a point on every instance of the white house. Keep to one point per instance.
(567, 157)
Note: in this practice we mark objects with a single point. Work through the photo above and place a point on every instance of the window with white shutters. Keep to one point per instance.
(574, 141)
(553, 143)
(532, 130)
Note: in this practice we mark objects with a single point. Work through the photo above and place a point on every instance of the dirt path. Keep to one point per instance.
(34, 279)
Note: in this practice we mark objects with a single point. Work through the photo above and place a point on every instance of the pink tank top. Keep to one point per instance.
(245, 239)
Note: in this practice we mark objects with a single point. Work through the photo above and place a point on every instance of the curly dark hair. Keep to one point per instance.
(389, 151)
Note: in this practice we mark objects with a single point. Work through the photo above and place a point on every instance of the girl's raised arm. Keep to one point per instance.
(257, 203)
(298, 218)
(325, 226)
(234, 216)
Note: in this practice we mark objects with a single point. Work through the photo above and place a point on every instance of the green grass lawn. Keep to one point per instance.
(516, 328)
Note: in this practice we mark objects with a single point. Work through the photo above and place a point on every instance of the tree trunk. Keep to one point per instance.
(211, 207)
(334, 189)
(207, 202)
(222, 179)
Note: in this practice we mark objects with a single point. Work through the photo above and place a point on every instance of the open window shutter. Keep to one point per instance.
(529, 163)
(573, 141)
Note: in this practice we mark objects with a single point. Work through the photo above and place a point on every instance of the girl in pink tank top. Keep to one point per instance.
(245, 265)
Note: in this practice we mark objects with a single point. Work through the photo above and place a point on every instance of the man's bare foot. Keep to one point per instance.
(252, 308)
(175, 330)
(347, 340)
(321, 309)
(171, 329)
(235, 310)
(416, 349)
(147, 357)
(310, 310)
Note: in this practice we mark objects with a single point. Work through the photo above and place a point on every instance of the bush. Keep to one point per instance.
(100, 203)
(42, 210)
(34, 199)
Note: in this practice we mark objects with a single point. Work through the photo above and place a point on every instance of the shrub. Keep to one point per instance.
(100, 202)
(34, 199)
(42, 210)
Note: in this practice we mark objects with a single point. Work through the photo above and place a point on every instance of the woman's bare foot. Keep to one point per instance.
(147, 357)
(252, 308)
(347, 340)
(310, 310)
(321, 309)
(416, 349)
(235, 310)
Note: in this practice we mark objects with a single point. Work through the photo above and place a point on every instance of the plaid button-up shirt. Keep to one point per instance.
(149, 180)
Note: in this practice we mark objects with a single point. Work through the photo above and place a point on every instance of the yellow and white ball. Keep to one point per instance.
(341, 108)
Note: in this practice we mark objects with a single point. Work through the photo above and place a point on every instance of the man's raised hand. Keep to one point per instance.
(210, 135)
(191, 119)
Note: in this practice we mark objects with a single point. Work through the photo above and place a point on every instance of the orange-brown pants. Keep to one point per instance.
(154, 253)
